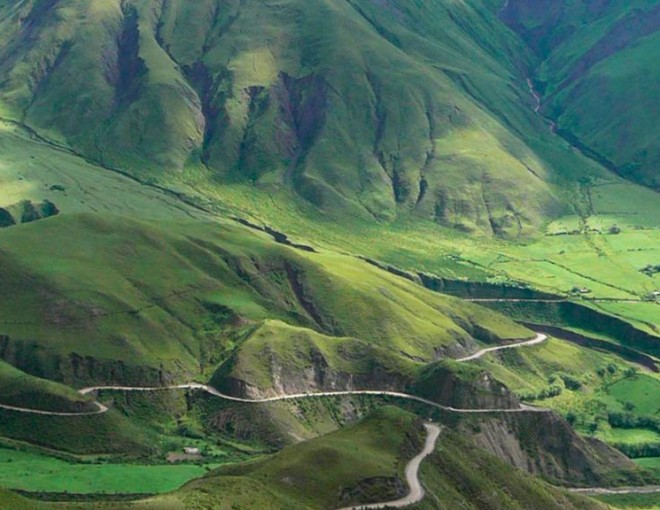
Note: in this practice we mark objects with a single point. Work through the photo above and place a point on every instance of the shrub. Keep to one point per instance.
(632, 421)
(571, 383)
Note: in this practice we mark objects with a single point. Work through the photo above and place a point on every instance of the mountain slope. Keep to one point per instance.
(20, 389)
(144, 143)
(366, 110)
(168, 294)
(599, 74)
(359, 464)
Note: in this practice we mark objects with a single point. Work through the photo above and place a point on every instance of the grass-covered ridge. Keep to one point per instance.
(169, 298)
(363, 112)
(20, 389)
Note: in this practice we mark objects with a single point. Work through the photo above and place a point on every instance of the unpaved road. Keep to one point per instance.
(599, 491)
(553, 300)
(100, 409)
(539, 339)
(416, 492)
(295, 396)
(212, 391)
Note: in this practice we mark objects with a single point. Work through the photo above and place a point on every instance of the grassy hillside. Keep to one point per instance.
(384, 112)
(183, 289)
(488, 88)
(169, 295)
(109, 433)
(362, 463)
(632, 501)
(597, 77)
(601, 394)
(463, 476)
(36, 171)
(11, 500)
(404, 132)
(20, 389)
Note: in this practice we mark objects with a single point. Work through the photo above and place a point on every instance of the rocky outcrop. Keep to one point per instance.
(464, 388)
(355, 365)
(313, 372)
(545, 445)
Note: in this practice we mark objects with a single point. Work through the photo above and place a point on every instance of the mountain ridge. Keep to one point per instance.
(245, 109)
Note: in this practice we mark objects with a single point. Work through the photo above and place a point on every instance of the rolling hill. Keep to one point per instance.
(278, 197)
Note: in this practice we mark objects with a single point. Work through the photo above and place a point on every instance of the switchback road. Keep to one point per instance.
(416, 491)
(540, 338)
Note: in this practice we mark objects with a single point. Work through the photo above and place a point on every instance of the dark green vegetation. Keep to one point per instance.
(596, 72)
(632, 501)
(17, 388)
(379, 447)
(132, 135)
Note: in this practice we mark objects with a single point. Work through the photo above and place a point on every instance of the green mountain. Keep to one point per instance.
(595, 67)
(360, 110)
(276, 197)
(356, 465)
(169, 296)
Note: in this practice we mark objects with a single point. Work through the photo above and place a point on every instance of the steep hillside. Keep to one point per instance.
(391, 437)
(278, 359)
(364, 109)
(270, 196)
(464, 476)
(360, 464)
(598, 76)
(20, 389)
(169, 296)
(128, 283)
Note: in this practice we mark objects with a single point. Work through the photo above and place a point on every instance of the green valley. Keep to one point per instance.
(255, 253)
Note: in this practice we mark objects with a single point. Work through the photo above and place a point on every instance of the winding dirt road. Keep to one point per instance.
(295, 396)
(600, 491)
(100, 409)
(539, 339)
(416, 491)
(212, 391)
